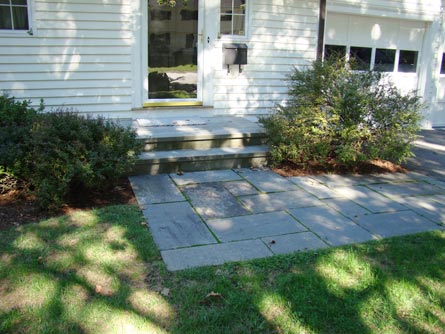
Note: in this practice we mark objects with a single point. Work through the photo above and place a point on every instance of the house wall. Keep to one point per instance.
(401, 9)
(79, 56)
(89, 54)
(281, 34)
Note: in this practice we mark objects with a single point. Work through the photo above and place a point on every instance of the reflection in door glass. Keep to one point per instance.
(172, 49)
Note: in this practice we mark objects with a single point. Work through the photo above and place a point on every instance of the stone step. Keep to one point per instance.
(202, 142)
(198, 133)
(187, 160)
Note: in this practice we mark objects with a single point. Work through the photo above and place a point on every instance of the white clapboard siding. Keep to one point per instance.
(282, 35)
(79, 58)
(415, 9)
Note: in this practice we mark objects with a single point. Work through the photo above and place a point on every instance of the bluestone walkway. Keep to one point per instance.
(208, 218)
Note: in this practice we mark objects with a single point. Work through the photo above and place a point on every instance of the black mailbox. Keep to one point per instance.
(235, 54)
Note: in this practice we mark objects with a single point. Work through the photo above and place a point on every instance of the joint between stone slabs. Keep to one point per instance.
(187, 199)
(309, 230)
(244, 179)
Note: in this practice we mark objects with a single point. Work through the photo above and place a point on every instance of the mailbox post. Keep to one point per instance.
(235, 54)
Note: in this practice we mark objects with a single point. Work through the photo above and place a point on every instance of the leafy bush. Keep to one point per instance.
(7, 181)
(16, 119)
(63, 151)
(334, 113)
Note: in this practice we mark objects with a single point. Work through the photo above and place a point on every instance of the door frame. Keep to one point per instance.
(204, 79)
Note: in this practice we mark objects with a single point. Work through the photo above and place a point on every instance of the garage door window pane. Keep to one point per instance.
(361, 58)
(442, 68)
(334, 52)
(384, 60)
(408, 61)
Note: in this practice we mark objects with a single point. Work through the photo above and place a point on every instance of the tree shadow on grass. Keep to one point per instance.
(82, 273)
(391, 286)
(100, 272)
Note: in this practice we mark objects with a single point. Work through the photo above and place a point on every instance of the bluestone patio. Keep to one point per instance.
(212, 217)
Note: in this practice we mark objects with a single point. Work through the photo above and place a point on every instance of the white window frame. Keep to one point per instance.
(31, 25)
(373, 54)
(229, 37)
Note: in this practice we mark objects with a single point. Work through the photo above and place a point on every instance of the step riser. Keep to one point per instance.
(150, 146)
(145, 167)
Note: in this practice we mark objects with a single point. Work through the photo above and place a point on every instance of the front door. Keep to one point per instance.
(174, 49)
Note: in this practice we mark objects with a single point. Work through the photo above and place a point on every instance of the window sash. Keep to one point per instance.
(14, 15)
(236, 15)
(403, 61)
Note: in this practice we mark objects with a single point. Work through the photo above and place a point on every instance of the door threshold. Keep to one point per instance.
(172, 104)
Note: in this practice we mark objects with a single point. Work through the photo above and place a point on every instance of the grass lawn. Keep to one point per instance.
(100, 272)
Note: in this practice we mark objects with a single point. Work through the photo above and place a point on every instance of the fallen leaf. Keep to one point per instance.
(212, 298)
(214, 295)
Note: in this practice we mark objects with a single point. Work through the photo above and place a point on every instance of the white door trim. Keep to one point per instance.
(204, 49)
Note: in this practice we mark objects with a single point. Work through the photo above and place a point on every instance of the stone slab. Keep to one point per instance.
(407, 189)
(266, 180)
(279, 201)
(176, 225)
(213, 200)
(151, 189)
(347, 207)
(370, 199)
(254, 226)
(396, 223)
(331, 226)
(335, 180)
(206, 176)
(179, 259)
(290, 243)
(240, 188)
(431, 207)
(314, 187)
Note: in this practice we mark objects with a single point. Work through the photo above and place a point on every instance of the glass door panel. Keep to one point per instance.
(172, 49)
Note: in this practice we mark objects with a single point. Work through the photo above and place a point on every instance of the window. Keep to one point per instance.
(362, 57)
(159, 15)
(14, 15)
(233, 17)
(334, 52)
(189, 15)
(384, 60)
(408, 61)
(442, 66)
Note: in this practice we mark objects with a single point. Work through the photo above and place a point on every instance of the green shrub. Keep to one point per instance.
(7, 181)
(62, 152)
(70, 152)
(334, 113)
(16, 119)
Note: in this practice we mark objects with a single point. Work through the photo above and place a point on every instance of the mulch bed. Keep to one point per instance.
(18, 207)
(370, 167)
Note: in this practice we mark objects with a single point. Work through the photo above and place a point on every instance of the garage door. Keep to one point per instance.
(380, 44)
